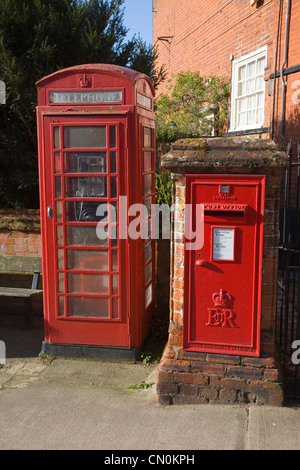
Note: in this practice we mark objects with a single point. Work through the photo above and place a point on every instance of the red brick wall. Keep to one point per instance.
(292, 99)
(20, 243)
(203, 35)
(20, 233)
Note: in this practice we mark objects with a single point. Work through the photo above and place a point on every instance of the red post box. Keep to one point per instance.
(96, 159)
(223, 277)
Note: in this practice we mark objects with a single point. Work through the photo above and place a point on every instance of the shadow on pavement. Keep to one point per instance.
(18, 341)
(21, 343)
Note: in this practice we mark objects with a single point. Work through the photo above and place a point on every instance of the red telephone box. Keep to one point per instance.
(96, 144)
(223, 277)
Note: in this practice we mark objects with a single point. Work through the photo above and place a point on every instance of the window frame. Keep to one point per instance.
(244, 60)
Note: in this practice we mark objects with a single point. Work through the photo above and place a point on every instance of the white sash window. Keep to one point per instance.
(248, 91)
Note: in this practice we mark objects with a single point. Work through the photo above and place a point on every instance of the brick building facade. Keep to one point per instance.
(245, 42)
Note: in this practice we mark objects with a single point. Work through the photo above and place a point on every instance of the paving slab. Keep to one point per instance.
(273, 428)
(90, 404)
(65, 415)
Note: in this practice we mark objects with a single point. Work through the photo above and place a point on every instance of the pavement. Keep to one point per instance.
(90, 404)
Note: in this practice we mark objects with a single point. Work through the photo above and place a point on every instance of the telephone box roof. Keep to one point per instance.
(104, 69)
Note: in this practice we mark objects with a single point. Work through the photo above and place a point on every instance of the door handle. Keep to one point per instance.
(200, 262)
(49, 212)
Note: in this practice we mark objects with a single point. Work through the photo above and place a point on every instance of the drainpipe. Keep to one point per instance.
(283, 82)
(275, 69)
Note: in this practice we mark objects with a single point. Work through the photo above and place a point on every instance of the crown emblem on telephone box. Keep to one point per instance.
(85, 82)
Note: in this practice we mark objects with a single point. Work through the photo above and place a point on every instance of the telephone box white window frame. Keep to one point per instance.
(248, 91)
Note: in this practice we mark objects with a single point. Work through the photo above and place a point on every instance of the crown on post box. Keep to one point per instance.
(221, 299)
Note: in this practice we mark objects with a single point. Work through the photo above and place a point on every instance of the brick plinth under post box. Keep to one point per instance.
(188, 374)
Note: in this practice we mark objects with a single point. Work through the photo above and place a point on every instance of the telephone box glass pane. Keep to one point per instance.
(88, 307)
(61, 284)
(59, 211)
(60, 259)
(148, 295)
(56, 138)
(113, 162)
(59, 235)
(147, 229)
(89, 211)
(147, 138)
(90, 260)
(148, 251)
(112, 137)
(115, 308)
(114, 255)
(148, 184)
(78, 235)
(113, 211)
(143, 100)
(57, 162)
(82, 211)
(115, 284)
(148, 202)
(113, 186)
(86, 186)
(147, 161)
(114, 235)
(61, 306)
(148, 273)
(85, 137)
(88, 283)
(58, 187)
(85, 162)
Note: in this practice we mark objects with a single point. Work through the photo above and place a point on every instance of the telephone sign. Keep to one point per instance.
(85, 97)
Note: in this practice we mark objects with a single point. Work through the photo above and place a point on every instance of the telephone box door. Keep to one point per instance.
(223, 278)
(84, 174)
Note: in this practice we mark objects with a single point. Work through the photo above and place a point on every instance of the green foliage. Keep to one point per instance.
(163, 188)
(184, 110)
(142, 385)
(146, 358)
(38, 37)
